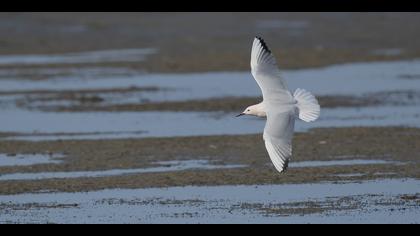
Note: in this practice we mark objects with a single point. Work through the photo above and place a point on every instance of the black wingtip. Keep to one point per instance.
(263, 44)
(286, 166)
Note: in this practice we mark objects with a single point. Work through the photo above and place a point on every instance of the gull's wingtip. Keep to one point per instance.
(262, 42)
(259, 38)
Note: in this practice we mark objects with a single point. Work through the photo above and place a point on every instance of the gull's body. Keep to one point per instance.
(279, 106)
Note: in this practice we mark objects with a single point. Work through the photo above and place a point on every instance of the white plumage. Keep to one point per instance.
(309, 109)
(279, 105)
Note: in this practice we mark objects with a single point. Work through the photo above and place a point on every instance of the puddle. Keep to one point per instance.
(86, 72)
(118, 55)
(301, 164)
(388, 52)
(377, 201)
(73, 136)
(164, 167)
(385, 173)
(361, 156)
(29, 159)
(350, 175)
(363, 174)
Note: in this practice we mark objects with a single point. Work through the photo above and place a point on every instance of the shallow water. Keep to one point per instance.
(53, 73)
(350, 175)
(347, 79)
(164, 166)
(350, 79)
(371, 202)
(388, 52)
(118, 55)
(338, 163)
(122, 125)
(36, 125)
(29, 159)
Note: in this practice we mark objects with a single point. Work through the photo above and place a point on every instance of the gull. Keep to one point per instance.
(279, 106)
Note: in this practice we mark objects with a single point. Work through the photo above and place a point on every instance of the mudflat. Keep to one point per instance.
(398, 146)
(200, 42)
(70, 156)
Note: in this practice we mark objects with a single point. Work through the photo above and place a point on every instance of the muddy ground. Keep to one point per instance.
(197, 42)
(397, 144)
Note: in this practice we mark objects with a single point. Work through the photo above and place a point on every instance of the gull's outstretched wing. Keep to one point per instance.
(278, 134)
(266, 72)
(279, 105)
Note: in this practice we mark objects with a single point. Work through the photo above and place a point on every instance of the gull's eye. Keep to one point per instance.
(248, 110)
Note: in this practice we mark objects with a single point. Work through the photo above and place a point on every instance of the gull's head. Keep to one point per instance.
(254, 110)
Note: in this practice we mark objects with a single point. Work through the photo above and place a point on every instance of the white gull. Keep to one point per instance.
(279, 106)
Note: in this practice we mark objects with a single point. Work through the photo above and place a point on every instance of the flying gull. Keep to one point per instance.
(279, 105)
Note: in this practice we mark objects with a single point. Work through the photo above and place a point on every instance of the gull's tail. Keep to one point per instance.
(309, 109)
